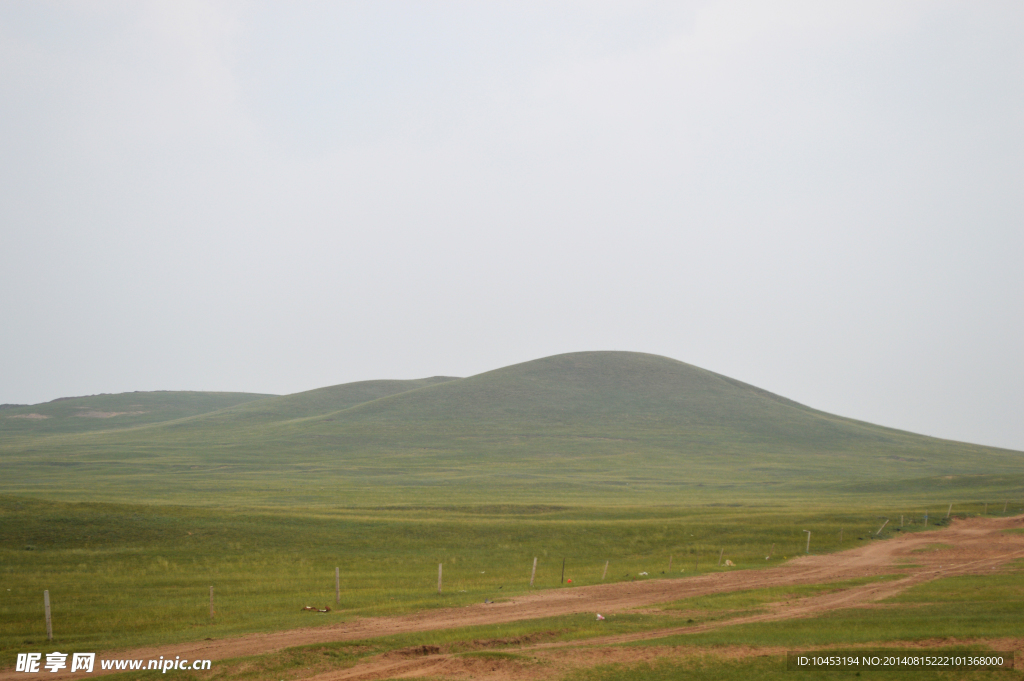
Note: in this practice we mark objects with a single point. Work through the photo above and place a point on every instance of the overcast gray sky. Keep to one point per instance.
(824, 199)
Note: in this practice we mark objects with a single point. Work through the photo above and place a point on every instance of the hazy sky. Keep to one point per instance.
(823, 199)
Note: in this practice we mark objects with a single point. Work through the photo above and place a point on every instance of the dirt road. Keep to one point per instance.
(975, 546)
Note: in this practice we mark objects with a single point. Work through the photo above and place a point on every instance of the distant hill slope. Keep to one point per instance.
(623, 403)
(592, 425)
(114, 411)
(598, 391)
(311, 403)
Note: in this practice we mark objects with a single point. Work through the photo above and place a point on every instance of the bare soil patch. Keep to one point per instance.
(92, 414)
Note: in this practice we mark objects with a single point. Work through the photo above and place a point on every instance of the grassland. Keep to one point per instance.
(123, 575)
(128, 519)
(69, 415)
(617, 429)
(945, 615)
(951, 609)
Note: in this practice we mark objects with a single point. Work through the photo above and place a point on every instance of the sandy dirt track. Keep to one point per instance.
(977, 546)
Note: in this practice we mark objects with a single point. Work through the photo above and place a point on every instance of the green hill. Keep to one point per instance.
(615, 426)
(309, 404)
(112, 412)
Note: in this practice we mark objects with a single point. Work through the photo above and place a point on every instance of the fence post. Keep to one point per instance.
(533, 573)
(439, 578)
(46, 608)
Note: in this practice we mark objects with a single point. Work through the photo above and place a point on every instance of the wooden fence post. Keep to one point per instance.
(882, 527)
(605, 573)
(533, 573)
(720, 554)
(439, 578)
(950, 510)
(46, 609)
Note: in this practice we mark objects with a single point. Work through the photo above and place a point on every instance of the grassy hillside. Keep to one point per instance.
(111, 412)
(611, 427)
(309, 404)
(634, 461)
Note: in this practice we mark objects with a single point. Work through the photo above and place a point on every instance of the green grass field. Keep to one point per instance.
(945, 612)
(128, 508)
(125, 575)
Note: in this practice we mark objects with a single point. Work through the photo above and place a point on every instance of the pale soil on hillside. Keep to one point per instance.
(975, 546)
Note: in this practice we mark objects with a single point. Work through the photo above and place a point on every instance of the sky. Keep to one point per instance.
(823, 199)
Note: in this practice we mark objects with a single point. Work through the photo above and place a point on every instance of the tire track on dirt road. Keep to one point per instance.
(385, 666)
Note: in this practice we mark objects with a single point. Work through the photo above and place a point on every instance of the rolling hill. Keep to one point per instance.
(619, 426)
(112, 411)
